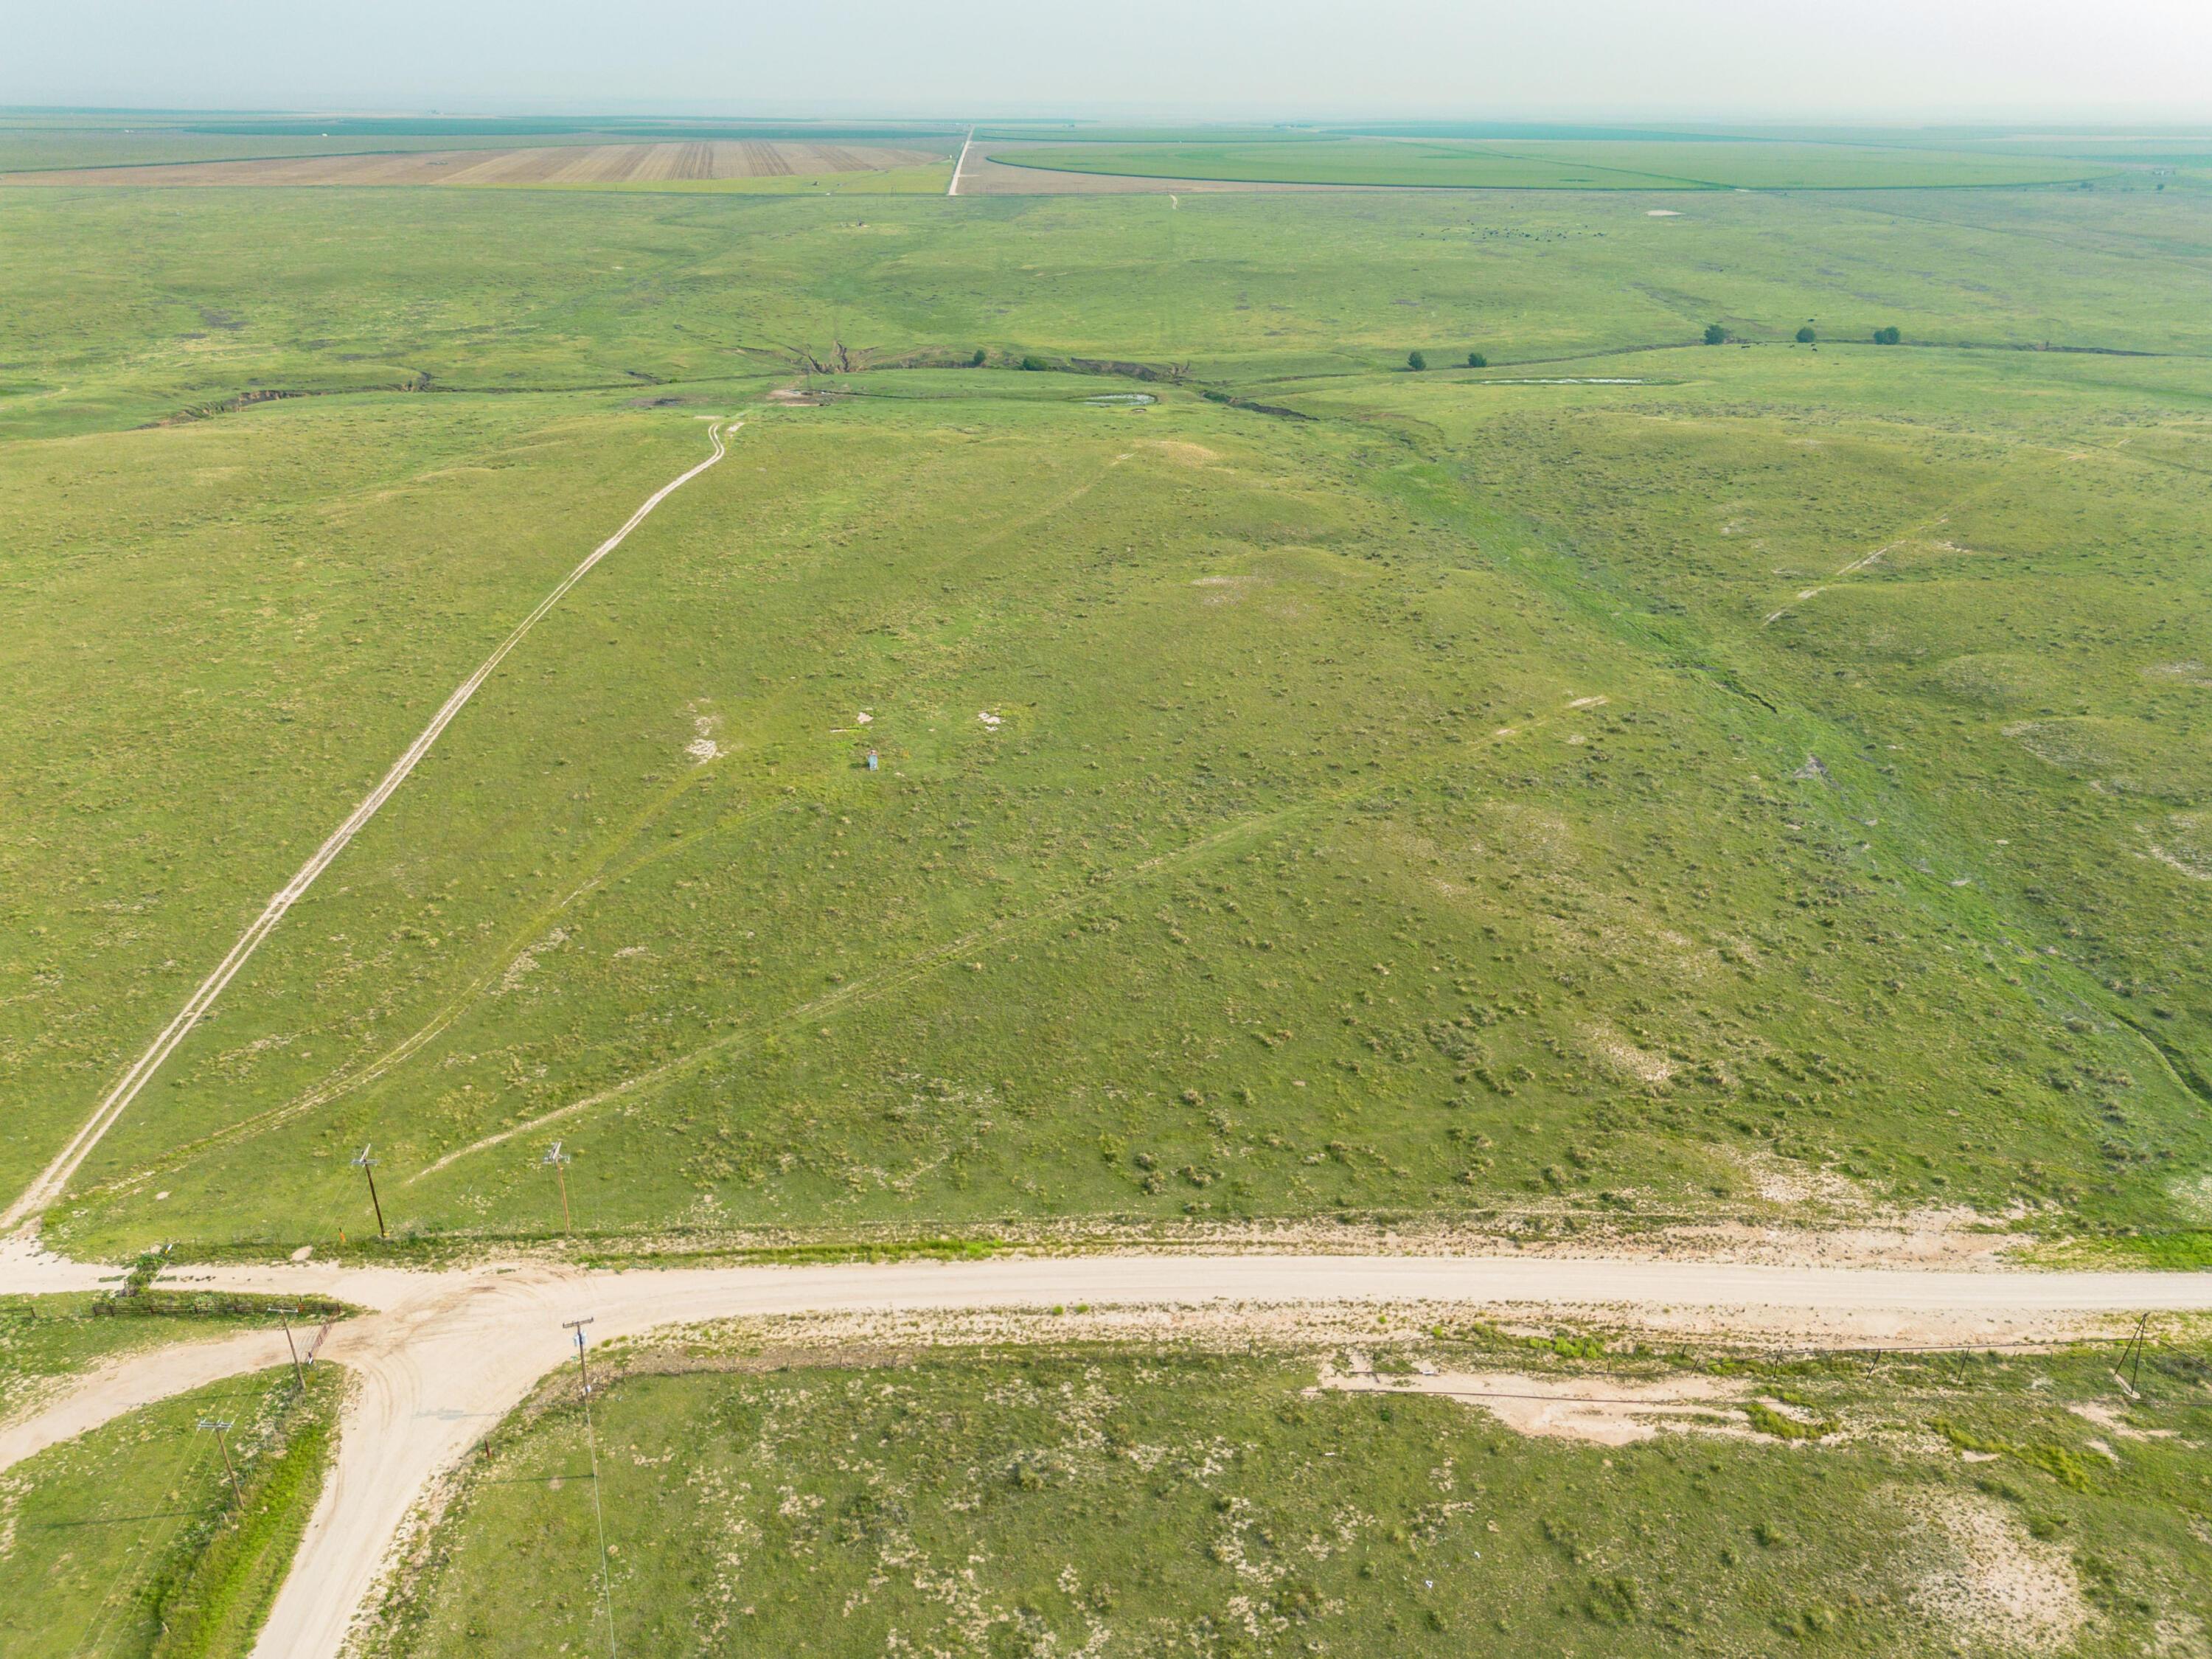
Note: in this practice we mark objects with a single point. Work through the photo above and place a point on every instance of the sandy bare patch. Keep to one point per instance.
(1992, 1583)
(1183, 453)
(1783, 1180)
(702, 747)
(2184, 843)
(525, 962)
(1605, 1411)
(1660, 213)
(2110, 1420)
(2194, 1192)
(2191, 672)
(2175, 861)
(1225, 590)
(1652, 1069)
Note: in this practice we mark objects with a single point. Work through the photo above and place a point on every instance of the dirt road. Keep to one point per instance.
(41, 1192)
(953, 188)
(443, 1356)
(125, 1384)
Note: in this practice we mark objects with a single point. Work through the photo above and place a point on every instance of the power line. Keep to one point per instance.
(222, 1429)
(598, 1509)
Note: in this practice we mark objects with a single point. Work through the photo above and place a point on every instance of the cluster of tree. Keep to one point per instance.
(1718, 334)
(1417, 361)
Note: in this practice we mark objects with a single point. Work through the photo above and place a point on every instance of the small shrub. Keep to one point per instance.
(1888, 337)
(1416, 361)
(1767, 1420)
(976, 362)
(1805, 335)
(1716, 334)
(1476, 360)
(1611, 1600)
(1035, 364)
(1297, 1599)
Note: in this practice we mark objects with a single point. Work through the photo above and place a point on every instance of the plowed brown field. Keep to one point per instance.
(576, 164)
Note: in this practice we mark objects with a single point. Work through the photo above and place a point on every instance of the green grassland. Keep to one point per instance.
(926, 180)
(1036, 1501)
(1303, 873)
(1574, 164)
(128, 1542)
(501, 290)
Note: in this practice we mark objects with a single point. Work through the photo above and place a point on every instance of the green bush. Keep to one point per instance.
(1805, 335)
(1416, 361)
(1716, 334)
(1767, 1420)
(1887, 336)
(1476, 360)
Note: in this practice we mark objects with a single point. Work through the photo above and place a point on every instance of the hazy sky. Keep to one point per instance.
(2145, 60)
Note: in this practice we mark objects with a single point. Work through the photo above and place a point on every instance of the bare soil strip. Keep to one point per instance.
(48, 1187)
(1604, 1410)
(445, 1356)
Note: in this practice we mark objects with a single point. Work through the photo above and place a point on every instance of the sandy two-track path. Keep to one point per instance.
(441, 1357)
(40, 1194)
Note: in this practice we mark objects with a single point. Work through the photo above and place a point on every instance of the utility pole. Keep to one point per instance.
(284, 1317)
(2135, 1344)
(558, 1161)
(223, 1429)
(598, 1507)
(367, 1165)
(582, 1369)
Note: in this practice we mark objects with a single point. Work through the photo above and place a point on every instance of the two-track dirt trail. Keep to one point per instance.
(444, 1356)
(41, 1193)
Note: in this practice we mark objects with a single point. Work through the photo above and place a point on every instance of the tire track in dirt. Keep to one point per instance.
(42, 1192)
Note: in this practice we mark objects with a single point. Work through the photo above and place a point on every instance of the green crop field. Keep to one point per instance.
(1636, 782)
(1570, 164)
(1048, 1500)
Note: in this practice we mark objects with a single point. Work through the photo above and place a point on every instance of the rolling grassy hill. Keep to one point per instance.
(1757, 780)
